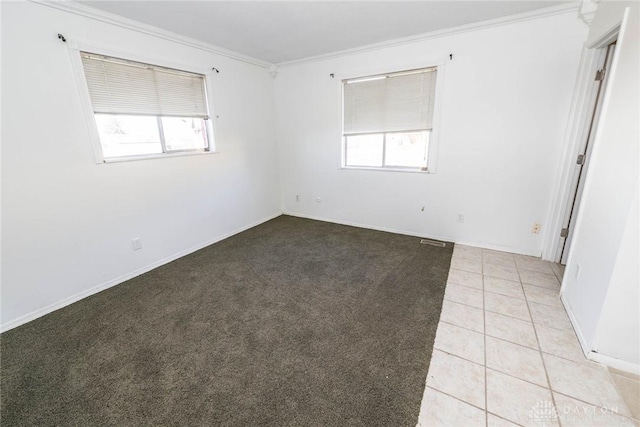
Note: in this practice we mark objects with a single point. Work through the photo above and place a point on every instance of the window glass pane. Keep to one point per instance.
(364, 150)
(128, 135)
(407, 149)
(184, 133)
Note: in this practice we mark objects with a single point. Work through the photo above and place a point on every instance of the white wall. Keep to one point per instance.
(67, 223)
(505, 104)
(618, 333)
(603, 299)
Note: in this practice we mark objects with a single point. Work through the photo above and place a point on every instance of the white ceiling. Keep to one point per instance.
(278, 31)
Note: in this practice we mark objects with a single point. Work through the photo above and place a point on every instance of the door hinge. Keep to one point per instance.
(580, 160)
(564, 232)
(600, 74)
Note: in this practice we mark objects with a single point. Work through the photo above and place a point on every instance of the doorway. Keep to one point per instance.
(584, 153)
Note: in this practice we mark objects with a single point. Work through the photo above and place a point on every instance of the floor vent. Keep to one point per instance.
(432, 243)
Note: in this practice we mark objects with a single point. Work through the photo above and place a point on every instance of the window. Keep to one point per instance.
(388, 120)
(146, 110)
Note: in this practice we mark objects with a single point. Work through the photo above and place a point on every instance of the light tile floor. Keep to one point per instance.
(506, 354)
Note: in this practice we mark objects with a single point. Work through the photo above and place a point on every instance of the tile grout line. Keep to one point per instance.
(546, 272)
(535, 327)
(515, 343)
(484, 338)
(544, 365)
(607, 410)
(461, 327)
(519, 281)
(492, 369)
(461, 255)
(488, 412)
(457, 356)
(474, 406)
(510, 296)
(484, 330)
(506, 340)
(503, 418)
(502, 314)
(520, 379)
(453, 397)
(556, 273)
(461, 358)
(538, 348)
(615, 386)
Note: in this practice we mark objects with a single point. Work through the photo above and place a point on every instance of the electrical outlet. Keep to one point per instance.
(536, 228)
(297, 197)
(460, 218)
(318, 200)
(136, 244)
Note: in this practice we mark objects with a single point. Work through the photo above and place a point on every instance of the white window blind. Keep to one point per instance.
(390, 103)
(118, 86)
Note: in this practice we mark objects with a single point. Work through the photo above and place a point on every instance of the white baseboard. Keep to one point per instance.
(370, 227)
(574, 324)
(594, 356)
(123, 278)
(497, 248)
(412, 233)
(614, 363)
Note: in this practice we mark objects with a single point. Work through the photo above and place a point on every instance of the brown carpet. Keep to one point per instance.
(291, 323)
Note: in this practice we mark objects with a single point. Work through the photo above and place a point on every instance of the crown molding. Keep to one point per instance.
(572, 7)
(80, 9)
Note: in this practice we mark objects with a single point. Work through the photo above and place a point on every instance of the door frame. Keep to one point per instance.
(577, 129)
(585, 150)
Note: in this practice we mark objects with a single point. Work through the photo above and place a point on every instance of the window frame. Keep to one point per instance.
(75, 51)
(435, 133)
(395, 168)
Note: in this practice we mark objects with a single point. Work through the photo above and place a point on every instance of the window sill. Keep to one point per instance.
(157, 156)
(402, 170)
